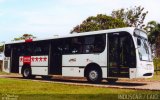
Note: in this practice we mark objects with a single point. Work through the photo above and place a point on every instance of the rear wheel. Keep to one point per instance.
(26, 73)
(94, 75)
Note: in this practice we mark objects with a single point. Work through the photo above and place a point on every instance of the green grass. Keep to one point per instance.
(156, 62)
(4, 73)
(156, 77)
(27, 89)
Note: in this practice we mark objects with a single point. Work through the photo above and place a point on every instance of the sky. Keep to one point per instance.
(46, 18)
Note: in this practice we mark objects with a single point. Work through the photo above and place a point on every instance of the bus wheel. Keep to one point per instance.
(94, 75)
(46, 77)
(26, 72)
(111, 80)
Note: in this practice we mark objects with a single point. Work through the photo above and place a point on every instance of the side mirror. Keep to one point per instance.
(139, 42)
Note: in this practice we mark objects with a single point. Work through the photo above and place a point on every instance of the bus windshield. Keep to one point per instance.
(144, 50)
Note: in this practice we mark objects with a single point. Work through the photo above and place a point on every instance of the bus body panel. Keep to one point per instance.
(37, 70)
(34, 60)
(76, 60)
(38, 64)
(74, 64)
(144, 69)
(132, 72)
(73, 71)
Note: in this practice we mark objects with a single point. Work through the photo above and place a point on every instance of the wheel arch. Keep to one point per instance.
(25, 66)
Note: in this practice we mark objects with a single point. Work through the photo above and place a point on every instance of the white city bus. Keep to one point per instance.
(106, 54)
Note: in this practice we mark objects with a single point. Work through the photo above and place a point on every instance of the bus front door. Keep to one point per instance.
(120, 54)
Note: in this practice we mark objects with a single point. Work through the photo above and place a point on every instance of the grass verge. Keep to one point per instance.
(32, 90)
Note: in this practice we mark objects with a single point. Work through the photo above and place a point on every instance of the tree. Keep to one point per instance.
(1, 48)
(133, 17)
(99, 22)
(153, 28)
(24, 37)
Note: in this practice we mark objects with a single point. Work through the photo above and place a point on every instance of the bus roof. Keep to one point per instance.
(127, 29)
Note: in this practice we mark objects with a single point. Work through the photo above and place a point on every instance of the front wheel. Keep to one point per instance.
(26, 73)
(94, 75)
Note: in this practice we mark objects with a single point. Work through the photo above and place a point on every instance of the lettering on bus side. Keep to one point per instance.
(72, 60)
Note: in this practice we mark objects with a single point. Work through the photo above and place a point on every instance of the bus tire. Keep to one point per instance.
(46, 77)
(94, 75)
(111, 80)
(26, 73)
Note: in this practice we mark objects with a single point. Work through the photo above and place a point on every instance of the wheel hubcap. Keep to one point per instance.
(26, 72)
(93, 75)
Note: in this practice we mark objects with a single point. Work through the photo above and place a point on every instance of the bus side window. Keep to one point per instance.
(88, 44)
(22, 50)
(41, 48)
(94, 44)
(66, 46)
(76, 45)
(7, 50)
(37, 50)
(99, 43)
(45, 49)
